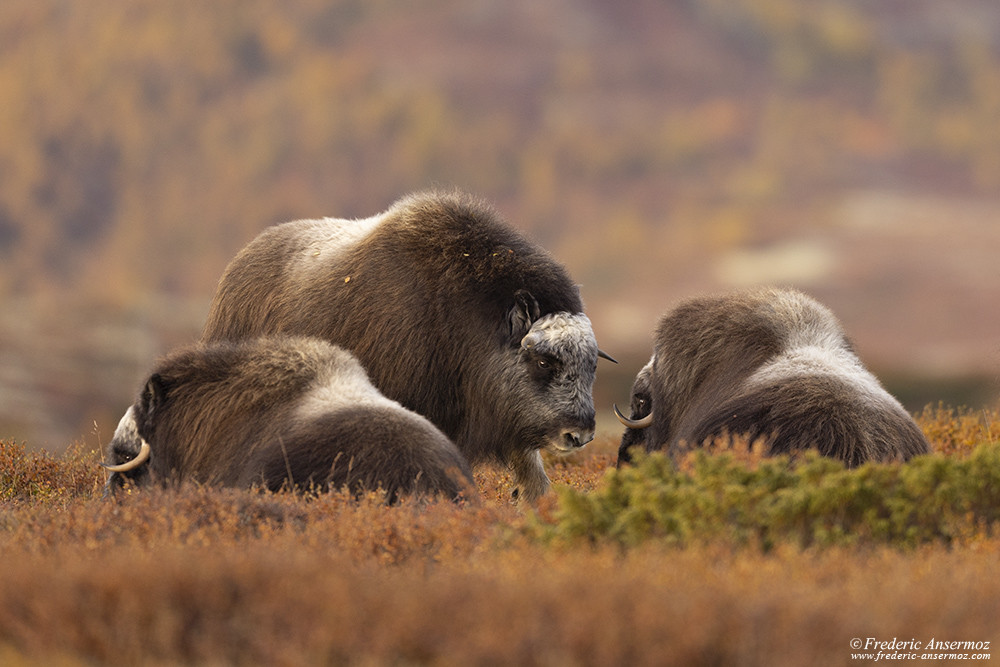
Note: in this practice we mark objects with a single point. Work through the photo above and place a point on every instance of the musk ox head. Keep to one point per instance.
(539, 392)
(558, 356)
(640, 413)
(130, 448)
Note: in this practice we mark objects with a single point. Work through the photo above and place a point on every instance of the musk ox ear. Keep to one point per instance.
(522, 314)
(154, 396)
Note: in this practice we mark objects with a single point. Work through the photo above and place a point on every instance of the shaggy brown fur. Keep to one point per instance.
(436, 297)
(771, 364)
(281, 411)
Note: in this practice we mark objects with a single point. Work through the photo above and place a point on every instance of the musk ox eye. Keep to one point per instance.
(542, 367)
(548, 364)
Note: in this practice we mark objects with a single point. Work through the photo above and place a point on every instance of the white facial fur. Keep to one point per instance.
(128, 430)
(570, 339)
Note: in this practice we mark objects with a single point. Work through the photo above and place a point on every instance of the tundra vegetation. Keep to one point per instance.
(725, 557)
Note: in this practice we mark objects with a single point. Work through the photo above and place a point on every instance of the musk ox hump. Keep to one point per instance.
(321, 243)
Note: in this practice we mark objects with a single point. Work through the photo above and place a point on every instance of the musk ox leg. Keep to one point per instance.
(529, 473)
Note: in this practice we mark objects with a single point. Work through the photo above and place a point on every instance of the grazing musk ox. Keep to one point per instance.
(451, 311)
(767, 363)
(277, 411)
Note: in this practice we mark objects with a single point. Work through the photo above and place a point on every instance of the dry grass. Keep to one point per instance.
(219, 577)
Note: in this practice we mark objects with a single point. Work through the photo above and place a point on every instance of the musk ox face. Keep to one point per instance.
(536, 391)
(640, 413)
(546, 378)
(558, 357)
(131, 449)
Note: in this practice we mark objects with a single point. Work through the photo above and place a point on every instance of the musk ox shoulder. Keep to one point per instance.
(771, 364)
(280, 411)
(451, 311)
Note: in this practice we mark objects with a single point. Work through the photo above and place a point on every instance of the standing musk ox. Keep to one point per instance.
(275, 412)
(772, 364)
(452, 312)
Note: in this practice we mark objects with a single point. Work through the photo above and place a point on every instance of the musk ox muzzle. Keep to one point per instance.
(573, 439)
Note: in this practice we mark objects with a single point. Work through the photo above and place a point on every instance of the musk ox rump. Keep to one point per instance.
(451, 311)
(274, 412)
(770, 364)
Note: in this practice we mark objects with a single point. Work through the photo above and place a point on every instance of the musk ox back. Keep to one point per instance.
(452, 313)
(276, 412)
(771, 364)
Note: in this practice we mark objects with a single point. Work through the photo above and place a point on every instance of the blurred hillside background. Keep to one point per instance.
(658, 149)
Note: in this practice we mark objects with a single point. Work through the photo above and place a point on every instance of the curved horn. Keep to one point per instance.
(139, 459)
(634, 423)
(604, 355)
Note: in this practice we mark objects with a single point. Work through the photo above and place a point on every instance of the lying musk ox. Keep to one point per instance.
(772, 364)
(452, 312)
(276, 412)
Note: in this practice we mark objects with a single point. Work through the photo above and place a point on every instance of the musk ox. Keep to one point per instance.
(275, 412)
(452, 312)
(771, 364)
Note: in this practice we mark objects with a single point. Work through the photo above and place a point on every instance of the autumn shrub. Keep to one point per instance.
(957, 431)
(652, 564)
(40, 476)
(289, 601)
(809, 501)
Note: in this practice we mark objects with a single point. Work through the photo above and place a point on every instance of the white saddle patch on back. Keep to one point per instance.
(324, 240)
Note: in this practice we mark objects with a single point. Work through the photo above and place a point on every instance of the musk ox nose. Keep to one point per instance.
(584, 428)
(577, 439)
